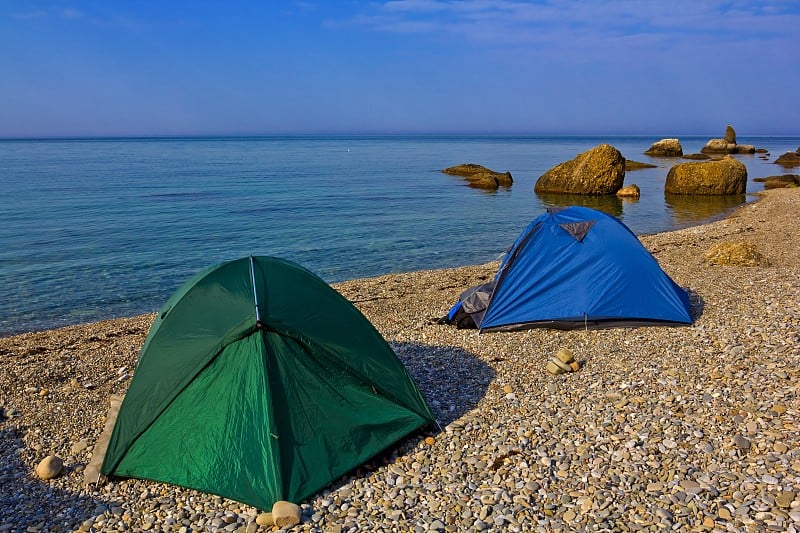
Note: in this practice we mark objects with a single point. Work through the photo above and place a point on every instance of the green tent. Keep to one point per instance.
(259, 382)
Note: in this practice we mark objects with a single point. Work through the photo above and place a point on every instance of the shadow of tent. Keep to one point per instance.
(59, 510)
(696, 304)
(450, 379)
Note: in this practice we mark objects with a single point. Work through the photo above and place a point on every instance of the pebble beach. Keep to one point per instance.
(691, 428)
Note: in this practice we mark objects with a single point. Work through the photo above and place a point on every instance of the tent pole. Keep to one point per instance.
(259, 325)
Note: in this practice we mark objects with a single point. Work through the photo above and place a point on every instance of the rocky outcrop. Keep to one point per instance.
(730, 134)
(789, 159)
(699, 157)
(730, 253)
(727, 145)
(598, 171)
(665, 148)
(631, 191)
(480, 177)
(636, 165)
(726, 176)
(779, 182)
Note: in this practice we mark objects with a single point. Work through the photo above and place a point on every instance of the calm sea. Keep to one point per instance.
(92, 229)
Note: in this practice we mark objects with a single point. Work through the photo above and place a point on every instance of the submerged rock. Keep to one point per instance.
(636, 165)
(598, 171)
(726, 176)
(789, 159)
(778, 182)
(480, 177)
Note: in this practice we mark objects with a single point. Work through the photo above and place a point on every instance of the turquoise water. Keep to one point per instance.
(100, 228)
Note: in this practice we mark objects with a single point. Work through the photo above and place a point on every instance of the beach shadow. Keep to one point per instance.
(696, 304)
(48, 508)
(451, 379)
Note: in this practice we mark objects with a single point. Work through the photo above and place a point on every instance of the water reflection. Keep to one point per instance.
(687, 210)
(608, 204)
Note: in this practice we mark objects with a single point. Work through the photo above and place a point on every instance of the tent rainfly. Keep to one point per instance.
(259, 382)
(574, 268)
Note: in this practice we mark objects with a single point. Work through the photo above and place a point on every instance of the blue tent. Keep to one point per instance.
(571, 268)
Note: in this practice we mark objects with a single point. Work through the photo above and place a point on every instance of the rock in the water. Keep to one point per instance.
(730, 134)
(778, 182)
(789, 159)
(598, 171)
(50, 467)
(636, 165)
(735, 254)
(701, 157)
(727, 145)
(665, 148)
(724, 146)
(285, 513)
(631, 191)
(727, 176)
(718, 146)
(481, 177)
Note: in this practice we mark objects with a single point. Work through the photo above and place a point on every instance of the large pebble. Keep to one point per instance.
(286, 513)
(50, 467)
(265, 519)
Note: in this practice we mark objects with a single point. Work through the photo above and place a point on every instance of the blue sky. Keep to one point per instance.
(406, 66)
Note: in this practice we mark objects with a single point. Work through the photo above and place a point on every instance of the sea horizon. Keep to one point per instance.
(256, 136)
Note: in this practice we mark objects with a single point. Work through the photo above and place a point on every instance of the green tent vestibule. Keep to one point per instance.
(259, 382)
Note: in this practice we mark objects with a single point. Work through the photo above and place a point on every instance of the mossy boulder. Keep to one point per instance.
(726, 176)
(596, 172)
(729, 253)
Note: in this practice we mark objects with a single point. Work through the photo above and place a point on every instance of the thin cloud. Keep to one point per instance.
(70, 13)
(525, 23)
(29, 15)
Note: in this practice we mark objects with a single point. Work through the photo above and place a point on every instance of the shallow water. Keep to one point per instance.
(99, 228)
